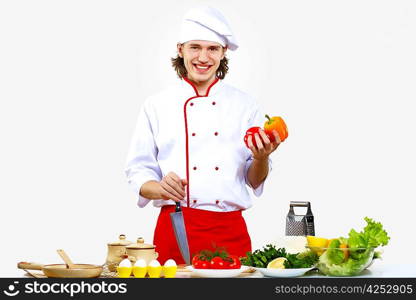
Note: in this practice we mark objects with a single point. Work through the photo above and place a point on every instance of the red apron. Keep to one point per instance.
(205, 230)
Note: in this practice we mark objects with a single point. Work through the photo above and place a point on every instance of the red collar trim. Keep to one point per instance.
(195, 89)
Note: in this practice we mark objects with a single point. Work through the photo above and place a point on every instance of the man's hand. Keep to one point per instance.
(264, 146)
(259, 168)
(171, 187)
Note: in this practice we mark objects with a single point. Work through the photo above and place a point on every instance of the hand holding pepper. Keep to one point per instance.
(263, 142)
(261, 146)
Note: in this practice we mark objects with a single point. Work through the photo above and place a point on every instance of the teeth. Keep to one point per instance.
(200, 67)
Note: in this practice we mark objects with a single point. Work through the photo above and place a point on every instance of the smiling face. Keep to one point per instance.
(201, 59)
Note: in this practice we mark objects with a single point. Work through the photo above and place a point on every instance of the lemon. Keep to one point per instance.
(317, 243)
(277, 263)
(314, 241)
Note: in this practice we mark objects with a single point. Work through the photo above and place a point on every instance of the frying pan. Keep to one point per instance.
(67, 270)
(61, 271)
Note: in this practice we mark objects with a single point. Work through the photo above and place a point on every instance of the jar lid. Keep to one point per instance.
(121, 241)
(140, 245)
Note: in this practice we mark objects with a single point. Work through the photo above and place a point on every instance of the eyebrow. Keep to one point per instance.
(198, 45)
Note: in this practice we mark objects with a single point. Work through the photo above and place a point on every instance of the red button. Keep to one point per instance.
(217, 201)
(213, 103)
(216, 133)
(191, 104)
(216, 168)
(194, 200)
(193, 134)
(194, 168)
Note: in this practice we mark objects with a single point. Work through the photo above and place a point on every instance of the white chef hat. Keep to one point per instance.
(207, 24)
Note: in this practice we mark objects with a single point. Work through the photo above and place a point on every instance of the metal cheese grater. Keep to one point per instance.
(300, 224)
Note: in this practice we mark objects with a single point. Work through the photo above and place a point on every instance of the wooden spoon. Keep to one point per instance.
(66, 259)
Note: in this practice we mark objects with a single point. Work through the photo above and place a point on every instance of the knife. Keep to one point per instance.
(180, 232)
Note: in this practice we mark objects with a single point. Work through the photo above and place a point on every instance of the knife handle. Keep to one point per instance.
(178, 207)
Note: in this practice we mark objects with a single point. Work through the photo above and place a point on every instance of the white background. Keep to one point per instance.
(73, 75)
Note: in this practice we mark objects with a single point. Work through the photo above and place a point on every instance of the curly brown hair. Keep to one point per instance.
(179, 66)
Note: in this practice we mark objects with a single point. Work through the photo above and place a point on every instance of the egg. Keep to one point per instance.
(154, 263)
(169, 268)
(125, 263)
(170, 263)
(140, 268)
(154, 269)
(140, 263)
(124, 268)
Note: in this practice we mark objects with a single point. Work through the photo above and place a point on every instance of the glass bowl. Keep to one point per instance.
(343, 261)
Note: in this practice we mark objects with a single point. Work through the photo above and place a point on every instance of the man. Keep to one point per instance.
(188, 145)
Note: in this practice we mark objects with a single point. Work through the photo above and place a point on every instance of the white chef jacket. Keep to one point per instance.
(202, 136)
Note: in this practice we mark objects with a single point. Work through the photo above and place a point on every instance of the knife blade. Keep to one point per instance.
(180, 232)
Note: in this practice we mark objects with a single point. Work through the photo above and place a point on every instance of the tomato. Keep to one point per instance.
(218, 259)
(250, 132)
(235, 262)
(201, 264)
(226, 263)
(253, 130)
(195, 259)
(217, 263)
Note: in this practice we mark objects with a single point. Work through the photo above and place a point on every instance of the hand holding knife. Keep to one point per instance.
(173, 187)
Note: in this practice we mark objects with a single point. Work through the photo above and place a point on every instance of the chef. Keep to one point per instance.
(188, 145)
